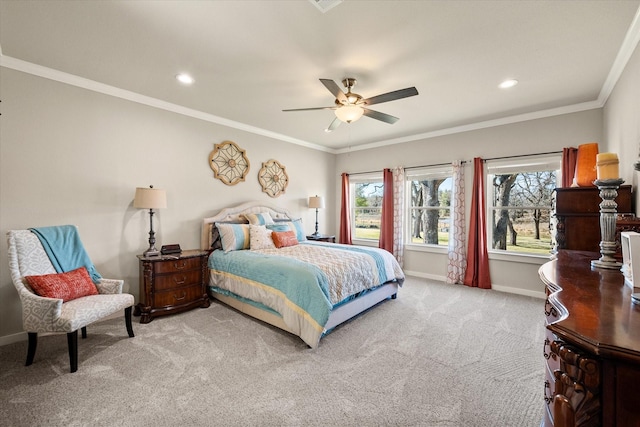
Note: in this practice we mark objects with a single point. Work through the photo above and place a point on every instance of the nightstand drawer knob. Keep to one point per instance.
(184, 295)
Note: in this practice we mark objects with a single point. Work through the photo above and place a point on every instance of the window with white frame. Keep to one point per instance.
(366, 205)
(428, 197)
(519, 194)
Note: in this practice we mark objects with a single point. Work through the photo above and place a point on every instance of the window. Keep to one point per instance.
(519, 205)
(366, 205)
(429, 205)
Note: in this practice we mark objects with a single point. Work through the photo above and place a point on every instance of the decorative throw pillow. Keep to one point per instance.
(278, 227)
(234, 236)
(295, 225)
(216, 240)
(283, 239)
(262, 218)
(260, 237)
(65, 286)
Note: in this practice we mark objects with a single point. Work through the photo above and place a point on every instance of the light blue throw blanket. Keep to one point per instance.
(65, 250)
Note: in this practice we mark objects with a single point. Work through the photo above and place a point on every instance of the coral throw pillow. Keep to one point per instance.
(284, 238)
(65, 286)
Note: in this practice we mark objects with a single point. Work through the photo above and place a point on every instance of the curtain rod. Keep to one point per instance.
(522, 155)
(409, 167)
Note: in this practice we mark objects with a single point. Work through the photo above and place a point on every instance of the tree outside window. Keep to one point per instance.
(429, 205)
(367, 209)
(521, 208)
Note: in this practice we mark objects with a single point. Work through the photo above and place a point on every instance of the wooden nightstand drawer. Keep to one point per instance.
(172, 266)
(172, 284)
(178, 296)
(177, 280)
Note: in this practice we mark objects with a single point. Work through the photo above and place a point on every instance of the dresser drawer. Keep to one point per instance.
(177, 280)
(179, 296)
(177, 265)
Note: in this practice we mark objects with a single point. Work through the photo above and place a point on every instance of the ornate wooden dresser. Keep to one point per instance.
(592, 345)
(577, 213)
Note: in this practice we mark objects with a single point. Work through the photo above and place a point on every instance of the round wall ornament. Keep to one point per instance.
(229, 163)
(273, 178)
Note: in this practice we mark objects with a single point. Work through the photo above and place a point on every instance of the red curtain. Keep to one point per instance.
(386, 222)
(345, 210)
(477, 273)
(569, 157)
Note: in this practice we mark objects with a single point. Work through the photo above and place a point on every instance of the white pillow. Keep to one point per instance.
(260, 237)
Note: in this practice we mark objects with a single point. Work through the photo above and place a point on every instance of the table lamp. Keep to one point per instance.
(150, 198)
(317, 203)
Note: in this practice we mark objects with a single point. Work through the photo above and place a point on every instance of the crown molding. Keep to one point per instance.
(73, 80)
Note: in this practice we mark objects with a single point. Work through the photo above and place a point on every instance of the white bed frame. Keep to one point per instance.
(339, 315)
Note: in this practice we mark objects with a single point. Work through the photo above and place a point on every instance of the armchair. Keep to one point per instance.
(27, 257)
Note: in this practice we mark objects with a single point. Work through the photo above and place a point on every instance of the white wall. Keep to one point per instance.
(622, 121)
(73, 156)
(530, 137)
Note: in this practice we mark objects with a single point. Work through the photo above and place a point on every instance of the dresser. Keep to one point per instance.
(172, 284)
(592, 345)
(577, 214)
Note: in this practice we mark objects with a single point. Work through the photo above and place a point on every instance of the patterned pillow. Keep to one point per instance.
(65, 286)
(262, 218)
(295, 225)
(234, 236)
(283, 239)
(278, 227)
(216, 241)
(260, 237)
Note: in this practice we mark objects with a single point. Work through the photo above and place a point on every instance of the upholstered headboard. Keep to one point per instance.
(235, 214)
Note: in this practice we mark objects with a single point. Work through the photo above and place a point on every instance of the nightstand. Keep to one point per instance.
(172, 284)
(322, 238)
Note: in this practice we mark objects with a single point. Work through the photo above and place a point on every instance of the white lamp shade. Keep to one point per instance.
(316, 202)
(150, 198)
(349, 113)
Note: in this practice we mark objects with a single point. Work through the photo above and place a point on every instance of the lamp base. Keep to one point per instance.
(316, 234)
(151, 252)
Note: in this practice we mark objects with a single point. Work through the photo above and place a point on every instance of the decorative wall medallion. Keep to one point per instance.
(273, 178)
(229, 163)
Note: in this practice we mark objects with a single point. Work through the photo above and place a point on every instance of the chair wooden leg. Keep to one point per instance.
(127, 321)
(31, 351)
(84, 332)
(72, 340)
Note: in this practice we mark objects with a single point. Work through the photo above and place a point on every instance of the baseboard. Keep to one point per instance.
(425, 276)
(10, 339)
(499, 288)
(519, 291)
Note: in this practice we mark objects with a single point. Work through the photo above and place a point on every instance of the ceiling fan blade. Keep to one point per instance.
(334, 89)
(391, 96)
(387, 118)
(313, 108)
(334, 124)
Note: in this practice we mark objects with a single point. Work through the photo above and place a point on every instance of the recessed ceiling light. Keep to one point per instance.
(184, 78)
(508, 83)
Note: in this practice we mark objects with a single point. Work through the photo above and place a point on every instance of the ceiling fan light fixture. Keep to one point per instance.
(349, 113)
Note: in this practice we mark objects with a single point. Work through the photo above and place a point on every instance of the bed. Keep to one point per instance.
(306, 288)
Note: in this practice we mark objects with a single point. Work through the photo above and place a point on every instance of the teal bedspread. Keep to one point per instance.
(303, 283)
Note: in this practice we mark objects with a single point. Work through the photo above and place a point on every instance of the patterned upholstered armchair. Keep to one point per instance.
(27, 257)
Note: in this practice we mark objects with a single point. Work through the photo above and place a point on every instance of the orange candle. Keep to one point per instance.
(586, 164)
(607, 165)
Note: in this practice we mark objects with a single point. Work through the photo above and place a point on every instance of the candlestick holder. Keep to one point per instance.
(608, 210)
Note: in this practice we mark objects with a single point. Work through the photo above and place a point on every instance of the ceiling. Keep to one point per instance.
(252, 59)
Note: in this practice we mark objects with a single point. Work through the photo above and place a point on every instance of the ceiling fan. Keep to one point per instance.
(351, 106)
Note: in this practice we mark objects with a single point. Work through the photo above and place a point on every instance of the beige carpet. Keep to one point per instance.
(439, 355)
